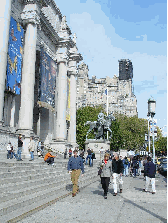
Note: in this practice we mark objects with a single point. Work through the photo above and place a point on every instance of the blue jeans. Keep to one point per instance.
(126, 170)
(90, 158)
(13, 154)
(19, 153)
(32, 155)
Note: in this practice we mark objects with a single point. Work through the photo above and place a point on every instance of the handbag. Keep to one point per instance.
(100, 171)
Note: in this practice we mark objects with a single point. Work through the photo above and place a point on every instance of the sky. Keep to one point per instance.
(110, 30)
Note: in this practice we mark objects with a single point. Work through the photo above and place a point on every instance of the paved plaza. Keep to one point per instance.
(89, 206)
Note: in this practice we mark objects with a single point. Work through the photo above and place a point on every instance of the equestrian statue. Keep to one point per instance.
(101, 126)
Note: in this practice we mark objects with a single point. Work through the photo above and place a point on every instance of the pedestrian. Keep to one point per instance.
(135, 165)
(13, 153)
(49, 158)
(118, 169)
(65, 153)
(75, 166)
(149, 172)
(9, 150)
(19, 151)
(70, 152)
(93, 156)
(89, 156)
(106, 173)
(140, 166)
(82, 155)
(31, 148)
(126, 163)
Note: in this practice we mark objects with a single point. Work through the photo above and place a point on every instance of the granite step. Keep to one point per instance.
(25, 211)
(36, 196)
(12, 194)
(25, 186)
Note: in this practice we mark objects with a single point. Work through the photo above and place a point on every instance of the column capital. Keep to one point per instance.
(74, 55)
(72, 68)
(62, 55)
(30, 14)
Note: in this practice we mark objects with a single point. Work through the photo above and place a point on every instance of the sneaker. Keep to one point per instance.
(105, 197)
(153, 192)
(144, 190)
(73, 195)
(114, 194)
(52, 164)
(120, 190)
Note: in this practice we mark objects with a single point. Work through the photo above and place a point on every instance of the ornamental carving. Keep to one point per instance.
(30, 14)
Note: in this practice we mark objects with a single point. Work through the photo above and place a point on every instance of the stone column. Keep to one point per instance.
(72, 71)
(61, 100)
(5, 13)
(12, 117)
(72, 128)
(31, 20)
(60, 129)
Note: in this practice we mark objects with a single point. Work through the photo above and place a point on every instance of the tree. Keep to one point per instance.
(161, 145)
(85, 114)
(130, 132)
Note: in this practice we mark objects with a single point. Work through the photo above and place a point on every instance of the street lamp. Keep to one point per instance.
(151, 113)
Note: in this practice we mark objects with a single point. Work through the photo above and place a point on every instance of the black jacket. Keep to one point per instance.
(20, 143)
(117, 166)
(150, 169)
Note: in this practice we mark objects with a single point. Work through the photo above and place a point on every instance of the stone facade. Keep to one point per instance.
(91, 92)
(44, 29)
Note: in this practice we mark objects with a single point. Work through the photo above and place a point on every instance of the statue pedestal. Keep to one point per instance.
(96, 145)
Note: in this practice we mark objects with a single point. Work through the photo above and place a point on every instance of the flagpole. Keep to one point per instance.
(107, 108)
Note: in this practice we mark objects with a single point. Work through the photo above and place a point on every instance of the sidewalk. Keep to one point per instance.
(89, 206)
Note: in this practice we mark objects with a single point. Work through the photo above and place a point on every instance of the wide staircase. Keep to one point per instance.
(29, 186)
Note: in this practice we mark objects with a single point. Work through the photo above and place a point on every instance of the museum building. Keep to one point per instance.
(38, 64)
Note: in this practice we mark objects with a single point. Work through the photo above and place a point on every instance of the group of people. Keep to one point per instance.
(113, 167)
(90, 155)
(11, 152)
(31, 147)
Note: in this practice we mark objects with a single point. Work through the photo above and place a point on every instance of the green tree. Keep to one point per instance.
(130, 132)
(161, 145)
(85, 114)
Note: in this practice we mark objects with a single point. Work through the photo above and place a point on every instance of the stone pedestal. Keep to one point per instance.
(96, 145)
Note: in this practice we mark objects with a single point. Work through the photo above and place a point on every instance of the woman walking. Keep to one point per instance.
(106, 173)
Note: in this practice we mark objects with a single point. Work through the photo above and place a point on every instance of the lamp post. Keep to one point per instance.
(151, 113)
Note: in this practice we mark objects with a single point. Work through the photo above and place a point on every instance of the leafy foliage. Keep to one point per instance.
(128, 132)
(161, 144)
(85, 114)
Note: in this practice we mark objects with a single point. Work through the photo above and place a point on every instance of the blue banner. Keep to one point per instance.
(48, 71)
(14, 60)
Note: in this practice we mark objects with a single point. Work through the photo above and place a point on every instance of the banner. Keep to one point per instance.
(68, 100)
(48, 71)
(14, 58)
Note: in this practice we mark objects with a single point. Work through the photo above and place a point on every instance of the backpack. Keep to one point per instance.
(126, 161)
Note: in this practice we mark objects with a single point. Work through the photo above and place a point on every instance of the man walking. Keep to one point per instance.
(125, 162)
(118, 169)
(31, 148)
(20, 145)
(89, 156)
(75, 165)
(149, 172)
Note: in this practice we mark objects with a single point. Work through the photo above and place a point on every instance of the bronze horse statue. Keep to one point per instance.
(102, 125)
